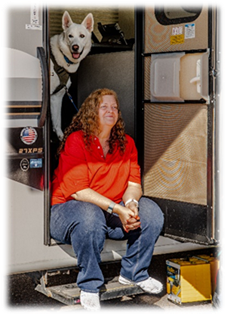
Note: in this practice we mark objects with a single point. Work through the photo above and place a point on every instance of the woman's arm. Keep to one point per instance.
(89, 195)
(133, 191)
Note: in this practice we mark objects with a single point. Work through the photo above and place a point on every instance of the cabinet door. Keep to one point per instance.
(176, 116)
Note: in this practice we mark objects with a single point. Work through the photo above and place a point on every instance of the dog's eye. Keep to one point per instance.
(70, 36)
(82, 35)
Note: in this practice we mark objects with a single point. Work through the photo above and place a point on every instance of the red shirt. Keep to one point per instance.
(80, 168)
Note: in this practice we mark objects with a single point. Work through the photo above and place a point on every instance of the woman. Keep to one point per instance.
(96, 194)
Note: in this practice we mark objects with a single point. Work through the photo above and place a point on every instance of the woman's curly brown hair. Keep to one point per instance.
(87, 120)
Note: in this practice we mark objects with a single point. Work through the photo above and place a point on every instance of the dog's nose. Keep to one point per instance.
(75, 47)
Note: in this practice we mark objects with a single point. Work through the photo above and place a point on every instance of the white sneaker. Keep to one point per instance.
(149, 285)
(90, 301)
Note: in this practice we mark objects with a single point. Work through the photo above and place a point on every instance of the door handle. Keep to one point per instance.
(197, 79)
(201, 78)
(45, 85)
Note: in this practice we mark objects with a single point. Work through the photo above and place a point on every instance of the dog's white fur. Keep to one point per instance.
(75, 43)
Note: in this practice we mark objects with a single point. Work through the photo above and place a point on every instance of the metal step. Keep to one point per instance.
(69, 294)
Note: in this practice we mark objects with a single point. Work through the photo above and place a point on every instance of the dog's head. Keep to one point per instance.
(77, 37)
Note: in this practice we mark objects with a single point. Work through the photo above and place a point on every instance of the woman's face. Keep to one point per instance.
(108, 111)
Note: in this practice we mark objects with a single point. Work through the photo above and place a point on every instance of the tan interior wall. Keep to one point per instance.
(157, 36)
(126, 22)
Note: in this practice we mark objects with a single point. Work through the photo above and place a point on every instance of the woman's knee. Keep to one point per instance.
(151, 213)
(90, 218)
(81, 218)
(91, 229)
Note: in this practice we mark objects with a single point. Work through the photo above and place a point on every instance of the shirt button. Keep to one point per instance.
(98, 147)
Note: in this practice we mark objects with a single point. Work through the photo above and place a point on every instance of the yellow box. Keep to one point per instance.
(188, 280)
(214, 267)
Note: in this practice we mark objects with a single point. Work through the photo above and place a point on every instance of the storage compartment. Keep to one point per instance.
(165, 77)
(176, 77)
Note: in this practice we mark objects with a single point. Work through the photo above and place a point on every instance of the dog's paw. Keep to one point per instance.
(59, 134)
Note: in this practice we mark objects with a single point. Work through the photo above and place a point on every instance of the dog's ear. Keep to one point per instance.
(88, 22)
(66, 20)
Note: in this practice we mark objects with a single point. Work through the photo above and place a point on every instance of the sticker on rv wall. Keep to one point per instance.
(176, 39)
(35, 163)
(28, 135)
(24, 165)
(34, 19)
(177, 30)
(189, 30)
(177, 35)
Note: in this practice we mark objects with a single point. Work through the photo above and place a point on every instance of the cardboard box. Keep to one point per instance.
(188, 280)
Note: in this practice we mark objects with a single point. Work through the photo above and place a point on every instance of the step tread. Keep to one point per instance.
(112, 289)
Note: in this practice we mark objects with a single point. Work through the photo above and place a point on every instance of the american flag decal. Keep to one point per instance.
(28, 135)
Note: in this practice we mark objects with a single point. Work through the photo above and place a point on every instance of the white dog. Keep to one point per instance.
(67, 51)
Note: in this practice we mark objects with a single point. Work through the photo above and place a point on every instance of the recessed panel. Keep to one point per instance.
(175, 152)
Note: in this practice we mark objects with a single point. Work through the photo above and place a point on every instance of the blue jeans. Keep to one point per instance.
(86, 226)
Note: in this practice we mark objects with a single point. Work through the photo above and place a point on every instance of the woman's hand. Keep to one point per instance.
(134, 222)
(125, 214)
(128, 216)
